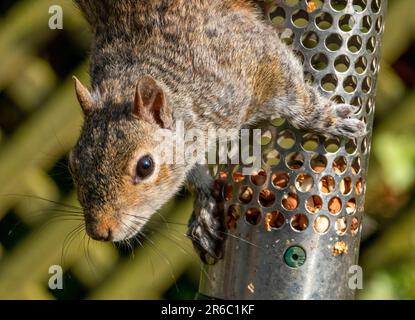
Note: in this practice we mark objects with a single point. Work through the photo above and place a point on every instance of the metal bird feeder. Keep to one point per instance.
(294, 227)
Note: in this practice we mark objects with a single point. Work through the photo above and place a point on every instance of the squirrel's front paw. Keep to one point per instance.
(343, 124)
(206, 228)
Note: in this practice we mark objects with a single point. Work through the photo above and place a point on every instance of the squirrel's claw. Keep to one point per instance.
(206, 228)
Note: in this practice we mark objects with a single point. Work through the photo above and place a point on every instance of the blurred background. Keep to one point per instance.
(40, 121)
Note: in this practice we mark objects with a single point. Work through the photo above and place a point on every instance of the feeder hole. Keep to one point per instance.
(340, 165)
(304, 182)
(342, 63)
(309, 40)
(369, 106)
(354, 226)
(274, 220)
(299, 222)
(228, 192)
(295, 160)
(286, 139)
(280, 180)
(246, 195)
(338, 99)
(327, 184)
(335, 205)
(300, 18)
(346, 22)
(376, 4)
(278, 122)
(290, 201)
(359, 5)
(266, 198)
(374, 66)
(329, 82)
(266, 138)
(371, 45)
(233, 215)
(366, 24)
(354, 44)
(324, 21)
(258, 178)
(351, 206)
(351, 146)
(318, 163)
(356, 166)
(346, 186)
(319, 61)
(287, 36)
(357, 102)
(321, 224)
(334, 42)
(223, 175)
(238, 177)
(379, 24)
(253, 216)
(367, 85)
(314, 204)
(278, 16)
(310, 142)
(332, 145)
(338, 5)
(360, 65)
(272, 158)
(350, 84)
(359, 186)
(363, 147)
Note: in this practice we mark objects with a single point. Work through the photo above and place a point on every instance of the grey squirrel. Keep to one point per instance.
(208, 63)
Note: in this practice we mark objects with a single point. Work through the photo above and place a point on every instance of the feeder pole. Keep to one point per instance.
(306, 242)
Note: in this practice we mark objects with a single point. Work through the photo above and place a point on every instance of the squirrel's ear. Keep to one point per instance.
(83, 95)
(150, 103)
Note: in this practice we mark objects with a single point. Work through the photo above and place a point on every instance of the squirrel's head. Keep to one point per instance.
(119, 177)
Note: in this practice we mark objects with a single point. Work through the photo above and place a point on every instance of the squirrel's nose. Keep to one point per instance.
(104, 234)
(99, 230)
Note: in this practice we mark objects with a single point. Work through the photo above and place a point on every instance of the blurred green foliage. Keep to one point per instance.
(40, 120)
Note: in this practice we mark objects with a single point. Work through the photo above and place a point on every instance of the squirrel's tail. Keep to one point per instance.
(105, 11)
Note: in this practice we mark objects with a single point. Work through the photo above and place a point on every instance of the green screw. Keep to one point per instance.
(295, 257)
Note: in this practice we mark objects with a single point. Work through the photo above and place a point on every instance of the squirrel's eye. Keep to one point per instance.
(145, 167)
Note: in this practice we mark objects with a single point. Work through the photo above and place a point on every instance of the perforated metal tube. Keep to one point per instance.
(295, 226)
